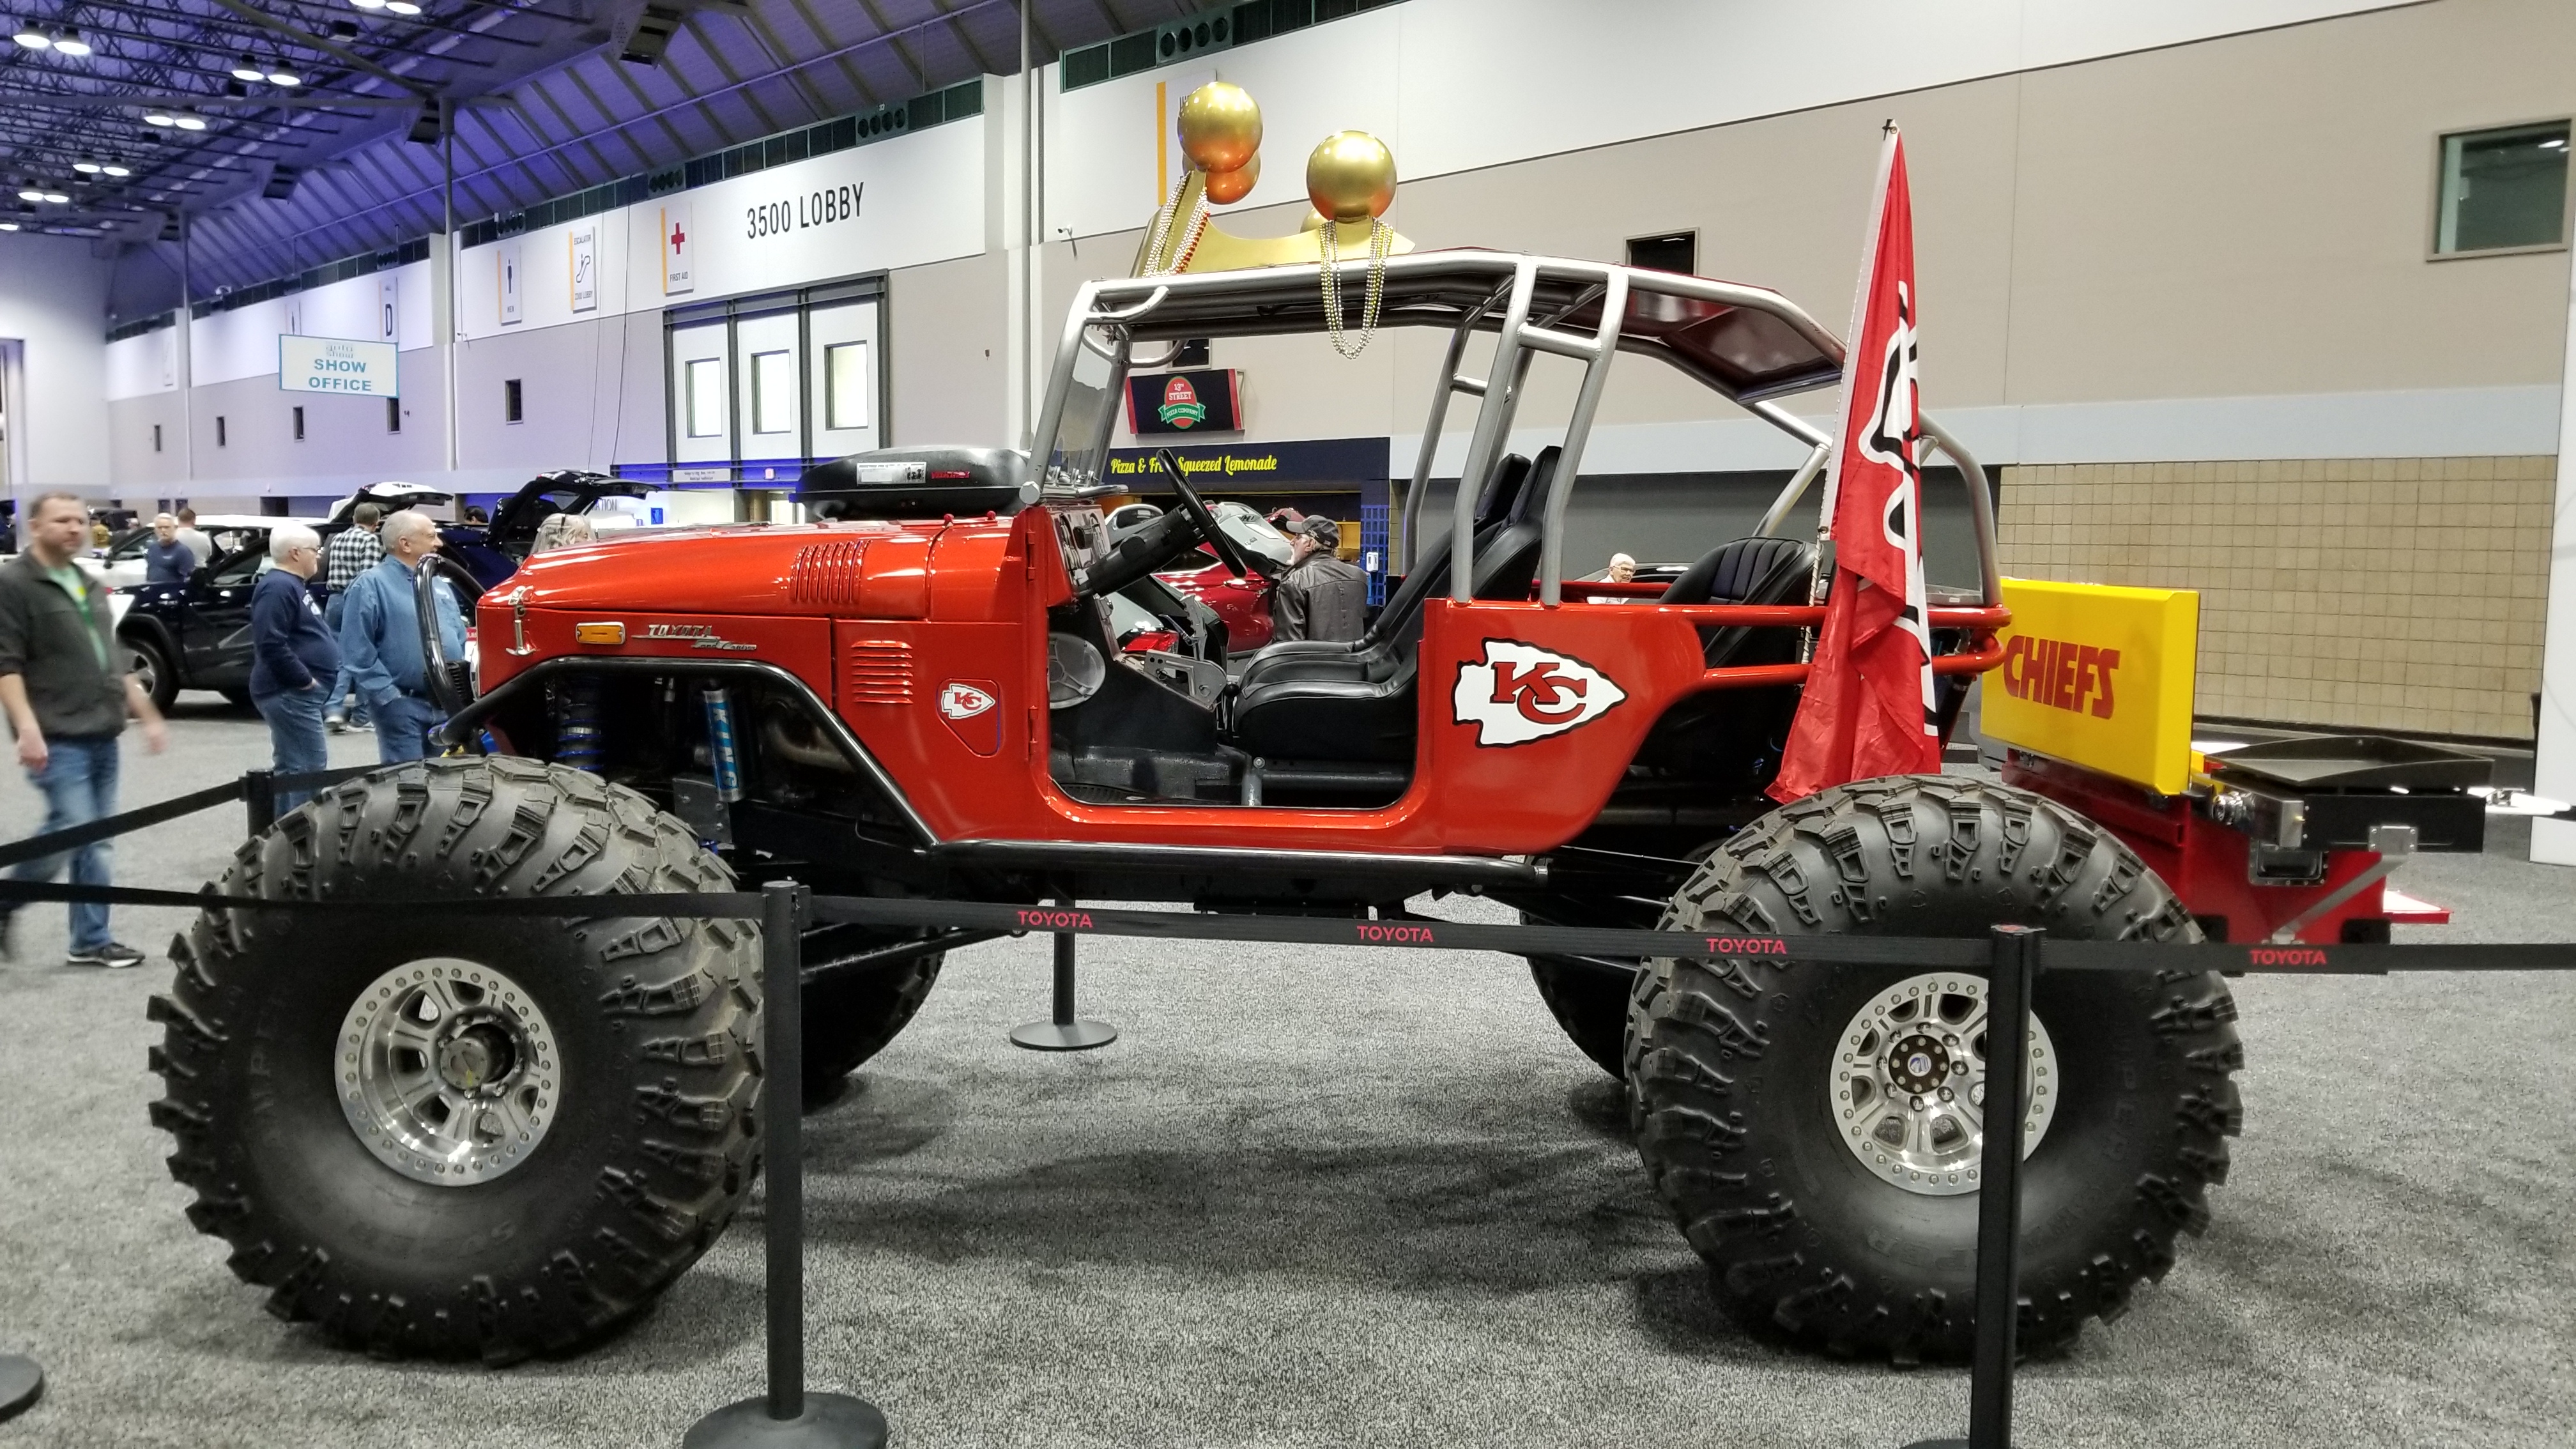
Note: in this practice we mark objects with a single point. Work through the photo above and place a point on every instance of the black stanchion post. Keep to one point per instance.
(259, 793)
(787, 1417)
(1063, 1032)
(1990, 1386)
(21, 1384)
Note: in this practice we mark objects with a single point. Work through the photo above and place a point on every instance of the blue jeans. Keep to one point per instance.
(402, 728)
(294, 737)
(343, 686)
(79, 781)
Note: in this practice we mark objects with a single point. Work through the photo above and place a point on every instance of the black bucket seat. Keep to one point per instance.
(1357, 704)
(1745, 571)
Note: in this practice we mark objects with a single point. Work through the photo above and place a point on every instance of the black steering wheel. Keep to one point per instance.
(1228, 552)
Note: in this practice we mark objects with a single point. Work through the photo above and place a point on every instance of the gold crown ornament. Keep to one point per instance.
(1350, 177)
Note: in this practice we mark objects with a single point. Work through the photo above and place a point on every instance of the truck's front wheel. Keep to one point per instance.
(455, 1135)
(1816, 1129)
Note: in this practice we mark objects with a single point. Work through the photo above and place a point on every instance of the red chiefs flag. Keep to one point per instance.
(1867, 708)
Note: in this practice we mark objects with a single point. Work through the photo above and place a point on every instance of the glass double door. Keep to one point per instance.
(767, 387)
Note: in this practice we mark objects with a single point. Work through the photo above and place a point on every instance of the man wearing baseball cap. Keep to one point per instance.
(1320, 597)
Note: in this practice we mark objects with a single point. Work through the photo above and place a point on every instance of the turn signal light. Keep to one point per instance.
(599, 633)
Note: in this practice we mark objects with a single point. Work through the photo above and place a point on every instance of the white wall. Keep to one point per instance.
(53, 298)
(1455, 85)
(919, 199)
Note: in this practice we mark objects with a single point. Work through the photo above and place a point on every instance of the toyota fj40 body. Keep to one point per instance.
(471, 1136)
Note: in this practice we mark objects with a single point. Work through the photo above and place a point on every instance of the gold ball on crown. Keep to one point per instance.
(1220, 128)
(1351, 176)
(1225, 188)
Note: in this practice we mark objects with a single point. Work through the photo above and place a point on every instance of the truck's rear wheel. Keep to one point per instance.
(451, 1135)
(1794, 1117)
(851, 1016)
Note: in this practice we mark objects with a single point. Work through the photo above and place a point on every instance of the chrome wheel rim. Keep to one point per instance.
(1907, 1085)
(446, 1071)
(138, 662)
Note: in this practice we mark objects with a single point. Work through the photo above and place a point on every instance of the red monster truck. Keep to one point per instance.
(484, 1137)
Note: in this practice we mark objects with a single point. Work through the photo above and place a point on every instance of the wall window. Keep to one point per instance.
(393, 415)
(702, 400)
(512, 404)
(156, 437)
(2503, 189)
(219, 430)
(773, 392)
(299, 422)
(1676, 251)
(846, 385)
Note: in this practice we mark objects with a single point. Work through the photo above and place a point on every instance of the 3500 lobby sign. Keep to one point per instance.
(819, 208)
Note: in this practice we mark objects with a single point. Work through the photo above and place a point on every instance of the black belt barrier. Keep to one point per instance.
(787, 1415)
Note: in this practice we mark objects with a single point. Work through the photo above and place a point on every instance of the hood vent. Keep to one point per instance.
(880, 672)
(826, 575)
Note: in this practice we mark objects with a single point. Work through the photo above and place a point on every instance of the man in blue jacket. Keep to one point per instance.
(292, 653)
(380, 638)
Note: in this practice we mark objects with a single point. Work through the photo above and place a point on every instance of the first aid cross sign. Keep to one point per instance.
(334, 364)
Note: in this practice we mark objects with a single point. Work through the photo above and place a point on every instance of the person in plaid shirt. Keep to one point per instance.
(353, 551)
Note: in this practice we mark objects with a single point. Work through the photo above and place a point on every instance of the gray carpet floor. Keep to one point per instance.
(1336, 1197)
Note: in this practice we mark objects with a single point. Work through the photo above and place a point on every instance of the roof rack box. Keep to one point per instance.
(917, 483)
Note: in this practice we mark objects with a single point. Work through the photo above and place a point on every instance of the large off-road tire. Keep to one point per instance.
(1590, 1002)
(1741, 1073)
(851, 1017)
(559, 1114)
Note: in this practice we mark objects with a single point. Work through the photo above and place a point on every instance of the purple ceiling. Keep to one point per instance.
(544, 106)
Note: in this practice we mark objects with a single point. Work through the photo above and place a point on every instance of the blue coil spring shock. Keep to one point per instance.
(578, 741)
(721, 754)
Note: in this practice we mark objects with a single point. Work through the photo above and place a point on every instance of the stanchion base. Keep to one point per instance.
(1063, 1036)
(831, 1421)
(21, 1385)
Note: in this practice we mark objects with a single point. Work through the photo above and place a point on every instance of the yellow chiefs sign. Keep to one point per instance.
(2098, 676)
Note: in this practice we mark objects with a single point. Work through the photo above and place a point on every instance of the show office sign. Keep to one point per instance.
(336, 365)
(1202, 401)
(1312, 460)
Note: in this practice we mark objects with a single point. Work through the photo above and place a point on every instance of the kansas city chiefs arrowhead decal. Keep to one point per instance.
(963, 701)
(967, 707)
(1522, 693)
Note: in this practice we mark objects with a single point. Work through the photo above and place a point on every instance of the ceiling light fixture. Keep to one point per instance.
(158, 118)
(8, 226)
(68, 41)
(189, 123)
(86, 168)
(284, 77)
(402, 7)
(112, 169)
(31, 195)
(368, 4)
(57, 198)
(247, 69)
(32, 38)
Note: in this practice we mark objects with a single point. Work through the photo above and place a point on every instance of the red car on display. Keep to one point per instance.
(1241, 601)
(925, 693)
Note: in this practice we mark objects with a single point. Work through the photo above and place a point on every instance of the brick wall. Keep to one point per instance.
(2374, 593)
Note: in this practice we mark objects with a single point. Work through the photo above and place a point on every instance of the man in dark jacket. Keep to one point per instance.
(292, 655)
(1320, 597)
(64, 685)
(166, 559)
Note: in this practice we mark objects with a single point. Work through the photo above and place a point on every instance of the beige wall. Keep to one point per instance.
(947, 331)
(2387, 593)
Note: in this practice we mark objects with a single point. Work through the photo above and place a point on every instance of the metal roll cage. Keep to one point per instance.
(1581, 310)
